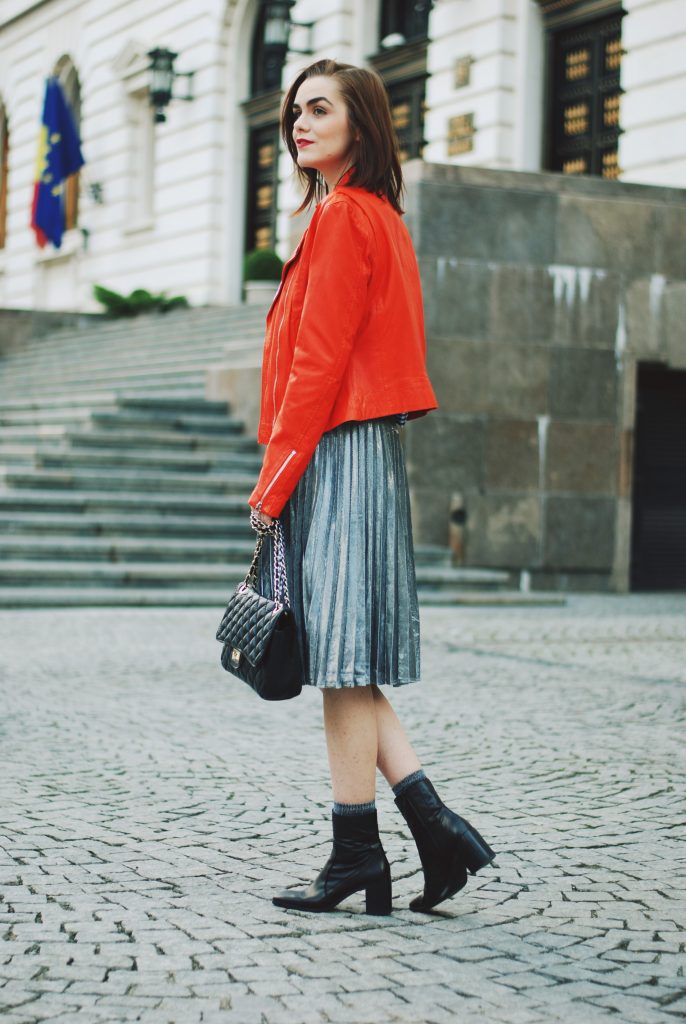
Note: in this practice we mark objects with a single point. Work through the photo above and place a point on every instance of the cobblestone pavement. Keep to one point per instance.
(150, 805)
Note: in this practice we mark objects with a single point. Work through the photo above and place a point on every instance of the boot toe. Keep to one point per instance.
(291, 899)
(439, 891)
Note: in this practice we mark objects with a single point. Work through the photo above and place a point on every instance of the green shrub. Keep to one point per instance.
(262, 265)
(140, 300)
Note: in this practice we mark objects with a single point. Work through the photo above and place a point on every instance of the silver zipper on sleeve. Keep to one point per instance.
(278, 345)
(277, 475)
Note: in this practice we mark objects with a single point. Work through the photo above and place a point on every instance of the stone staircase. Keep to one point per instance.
(121, 484)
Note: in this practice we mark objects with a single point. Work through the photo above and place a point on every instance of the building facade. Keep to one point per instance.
(591, 87)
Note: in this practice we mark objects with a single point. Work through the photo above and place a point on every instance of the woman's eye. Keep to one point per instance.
(321, 109)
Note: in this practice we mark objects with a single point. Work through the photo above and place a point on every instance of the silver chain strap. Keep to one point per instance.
(279, 571)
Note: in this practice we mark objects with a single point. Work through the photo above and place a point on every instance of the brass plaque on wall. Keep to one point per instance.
(462, 71)
(460, 134)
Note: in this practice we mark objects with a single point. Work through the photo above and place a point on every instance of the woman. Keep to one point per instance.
(344, 366)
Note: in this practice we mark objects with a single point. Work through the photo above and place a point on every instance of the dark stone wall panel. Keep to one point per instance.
(579, 533)
(502, 531)
(671, 259)
(449, 449)
(583, 384)
(517, 383)
(512, 457)
(607, 233)
(487, 224)
(457, 298)
(523, 304)
(582, 458)
(459, 374)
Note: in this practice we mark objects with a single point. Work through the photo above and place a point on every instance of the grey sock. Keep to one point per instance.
(408, 780)
(354, 808)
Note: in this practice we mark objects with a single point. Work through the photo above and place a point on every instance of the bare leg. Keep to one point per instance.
(351, 741)
(357, 859)
(395, 755)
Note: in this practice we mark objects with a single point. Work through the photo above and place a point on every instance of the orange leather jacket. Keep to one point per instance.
(344, 336)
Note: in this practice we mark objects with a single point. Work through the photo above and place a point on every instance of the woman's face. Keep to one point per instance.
(321, 129)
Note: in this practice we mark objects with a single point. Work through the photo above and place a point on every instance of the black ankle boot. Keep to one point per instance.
(448, 846)
(357, 862)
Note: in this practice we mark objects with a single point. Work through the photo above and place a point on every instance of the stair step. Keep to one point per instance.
(121, 574)
(113, 597)
(155, 523)
(185, 399)
(167, 420)
(31, 435)
(66, 547)
(191, 462)
(112, 381)
(200, 406)
(159, 439)
(17, 454)
(95, 501)
(432, 554)
(440, 576)
(492, 598)
(195, 383)
(59, 369)
(44, 417)
(130, 480)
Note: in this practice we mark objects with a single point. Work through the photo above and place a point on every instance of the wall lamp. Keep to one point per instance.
(277, 28)
(162, 81)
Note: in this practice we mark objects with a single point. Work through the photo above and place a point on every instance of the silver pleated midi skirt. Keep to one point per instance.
(350, 560)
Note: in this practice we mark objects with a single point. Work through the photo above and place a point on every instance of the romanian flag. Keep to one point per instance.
(59, 155)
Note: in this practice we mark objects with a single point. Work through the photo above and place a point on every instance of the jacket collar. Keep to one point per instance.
(344, 179)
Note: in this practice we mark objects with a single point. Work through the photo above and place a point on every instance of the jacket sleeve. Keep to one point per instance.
(333, 310)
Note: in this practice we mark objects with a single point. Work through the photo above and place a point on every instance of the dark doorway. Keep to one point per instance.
(658, 543)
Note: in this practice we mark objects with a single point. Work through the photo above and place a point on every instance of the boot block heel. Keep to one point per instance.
(379, 897)
(476, 851)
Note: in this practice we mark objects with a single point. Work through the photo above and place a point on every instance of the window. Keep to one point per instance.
(4, 173)
(584, 103)
(262, 116)
(65, 72)
(407, 110)
(262, 178)
(409, 18)
(266, 61)
(401, 62)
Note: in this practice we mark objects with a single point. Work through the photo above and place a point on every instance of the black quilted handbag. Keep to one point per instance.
(259, 635)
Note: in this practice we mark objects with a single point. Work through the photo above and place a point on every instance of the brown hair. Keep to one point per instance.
(376, 158)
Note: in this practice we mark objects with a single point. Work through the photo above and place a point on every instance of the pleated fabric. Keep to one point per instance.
(350, 559)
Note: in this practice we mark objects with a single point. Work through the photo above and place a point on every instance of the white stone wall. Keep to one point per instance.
(652, 149)
(189, 238)
(173, 216)
(504, 40)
